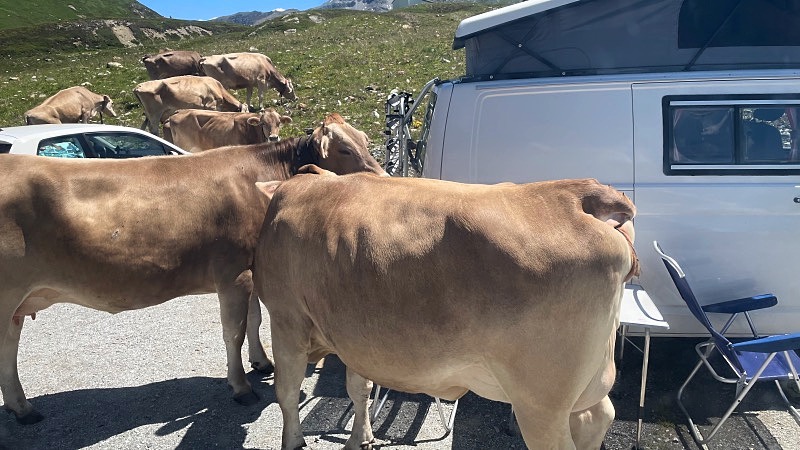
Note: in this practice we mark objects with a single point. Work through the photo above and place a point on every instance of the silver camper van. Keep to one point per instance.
(691, 107)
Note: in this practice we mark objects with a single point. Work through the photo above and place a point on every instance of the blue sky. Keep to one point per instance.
(208, 9)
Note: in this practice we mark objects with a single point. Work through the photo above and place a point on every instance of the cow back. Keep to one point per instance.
(151, 225)
(371, 262)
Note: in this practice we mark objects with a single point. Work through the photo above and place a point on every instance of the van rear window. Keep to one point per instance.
(726, 137)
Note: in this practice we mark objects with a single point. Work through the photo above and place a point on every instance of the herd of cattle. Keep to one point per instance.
(511, 291)
(196, 86)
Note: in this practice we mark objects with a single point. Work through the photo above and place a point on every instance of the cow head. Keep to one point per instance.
(270, 122)
(343, 149)
(106, 106)
(287, 90)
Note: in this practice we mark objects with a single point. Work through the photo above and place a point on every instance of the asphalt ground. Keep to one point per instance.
(155, 379)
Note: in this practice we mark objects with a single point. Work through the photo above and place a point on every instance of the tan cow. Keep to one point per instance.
(197, 130)
(117, 235)
(172, 63)
(161, 98)
(71, 105)
(510, 291)
(248, 70)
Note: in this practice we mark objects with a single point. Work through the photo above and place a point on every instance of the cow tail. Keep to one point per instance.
(623, 228)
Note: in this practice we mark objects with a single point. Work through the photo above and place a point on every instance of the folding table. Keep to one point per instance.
(638, 310)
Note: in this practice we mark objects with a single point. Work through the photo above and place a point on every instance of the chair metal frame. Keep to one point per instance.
(378, 402)
(771, 358)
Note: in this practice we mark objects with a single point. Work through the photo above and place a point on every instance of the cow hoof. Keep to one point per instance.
(248, 399)
(30, 418)
(265, 368)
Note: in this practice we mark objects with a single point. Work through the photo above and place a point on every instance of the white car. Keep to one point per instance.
(78, 140)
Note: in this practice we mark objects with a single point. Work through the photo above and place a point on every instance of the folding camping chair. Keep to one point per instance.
(772, 358)
(378, 402)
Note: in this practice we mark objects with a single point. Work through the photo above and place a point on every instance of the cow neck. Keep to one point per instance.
(305, 153)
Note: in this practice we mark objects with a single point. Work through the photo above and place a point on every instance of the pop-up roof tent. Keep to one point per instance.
(582, 37)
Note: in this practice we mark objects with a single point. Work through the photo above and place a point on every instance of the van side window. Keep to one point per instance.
(703, 135)
(719, 137)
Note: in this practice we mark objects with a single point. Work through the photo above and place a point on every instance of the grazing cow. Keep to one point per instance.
(161, 98)
(511, 291)
(248, 70)
(196, 129)
(117, 235)
(71, 105)
(172, 64)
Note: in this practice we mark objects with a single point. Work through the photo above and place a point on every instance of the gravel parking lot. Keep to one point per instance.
(155, 379)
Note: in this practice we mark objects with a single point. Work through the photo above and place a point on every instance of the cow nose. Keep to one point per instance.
(274, 138)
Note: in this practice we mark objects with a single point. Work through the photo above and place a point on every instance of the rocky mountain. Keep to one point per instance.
(254, 17)
(361, 5)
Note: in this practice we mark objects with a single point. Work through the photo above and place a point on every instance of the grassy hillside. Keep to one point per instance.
(340, 61)
(23, 13)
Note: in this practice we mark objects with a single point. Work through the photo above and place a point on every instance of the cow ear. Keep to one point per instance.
(322, 140)
(286, 119)
(316, 170)
(268, 187)
(254, 121)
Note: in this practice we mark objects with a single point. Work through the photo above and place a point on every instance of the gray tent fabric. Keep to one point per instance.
(589, 37)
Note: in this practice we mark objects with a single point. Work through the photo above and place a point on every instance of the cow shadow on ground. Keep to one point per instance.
(201, 409)
(482, 423)
(479, 423)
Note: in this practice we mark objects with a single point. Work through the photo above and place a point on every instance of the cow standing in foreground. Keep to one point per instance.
(197, 130)
(510, 291)
(116, 235)
(72, 105)
(248, 70)
(161, 98)
(172, 63)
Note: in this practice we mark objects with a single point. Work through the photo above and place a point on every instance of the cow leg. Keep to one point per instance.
(290, 368)
(249, 96)
(589, 427)
(543, 426)
(233, 306)
(13, 394)
(258, 357)
(359, 388)
(147, 124)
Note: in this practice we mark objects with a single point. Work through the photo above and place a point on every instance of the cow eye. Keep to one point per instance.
(345, 151)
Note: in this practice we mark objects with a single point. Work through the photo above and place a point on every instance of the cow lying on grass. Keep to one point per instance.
(116, 235)
(72, 105)
(510, 291)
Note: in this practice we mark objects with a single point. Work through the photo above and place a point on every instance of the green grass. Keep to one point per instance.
(23, 13)
(348, 64)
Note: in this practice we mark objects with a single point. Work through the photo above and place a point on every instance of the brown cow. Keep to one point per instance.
(247, 70)
(117, 235)
(161, 98)
(511, 291)
(172, 64)
(197, 130)
(71, 105)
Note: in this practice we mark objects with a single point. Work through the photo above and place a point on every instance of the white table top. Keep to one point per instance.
(638, 309)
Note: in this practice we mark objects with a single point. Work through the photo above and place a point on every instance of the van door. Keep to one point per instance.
(717, 182)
